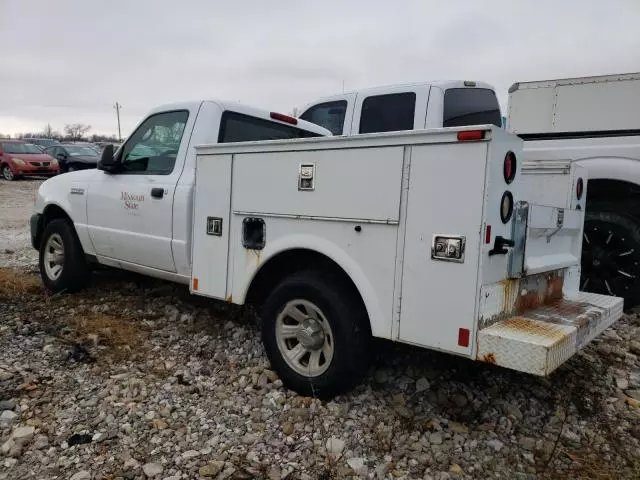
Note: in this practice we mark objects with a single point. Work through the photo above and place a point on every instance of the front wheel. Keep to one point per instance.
(611, 256)
(316, 334)
(7, 174)
(62, 263)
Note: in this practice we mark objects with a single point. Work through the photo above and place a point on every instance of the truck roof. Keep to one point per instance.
(442, 84)
(246, 110)
(574, 81)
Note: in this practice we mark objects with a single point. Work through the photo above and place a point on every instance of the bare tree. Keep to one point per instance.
(48, 131)
(75, 131)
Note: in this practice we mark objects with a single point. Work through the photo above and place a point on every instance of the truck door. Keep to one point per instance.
(130, 212)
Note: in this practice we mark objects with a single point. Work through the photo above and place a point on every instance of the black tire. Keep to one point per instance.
(611, 256)
(75, 272)
(7, 174)
(349, 323)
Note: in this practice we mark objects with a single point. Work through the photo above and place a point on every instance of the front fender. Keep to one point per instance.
(380, 323)
(68, 192)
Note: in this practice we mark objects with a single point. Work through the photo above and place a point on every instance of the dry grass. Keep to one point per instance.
(123, 337)
(13, 282)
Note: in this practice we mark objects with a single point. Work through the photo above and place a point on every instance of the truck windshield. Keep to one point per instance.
(329, 115)
(470, 106)
(236, 127)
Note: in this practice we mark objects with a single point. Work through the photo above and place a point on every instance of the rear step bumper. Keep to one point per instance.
(542, 339)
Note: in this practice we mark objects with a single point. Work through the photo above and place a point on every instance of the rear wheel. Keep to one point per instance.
(62, 263)
(7, 174)
(316, 334)
(611, 256)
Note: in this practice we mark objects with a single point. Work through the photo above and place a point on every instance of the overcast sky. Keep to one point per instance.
(68, 61)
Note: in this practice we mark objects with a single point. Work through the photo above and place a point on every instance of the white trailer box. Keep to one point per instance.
(585, 104)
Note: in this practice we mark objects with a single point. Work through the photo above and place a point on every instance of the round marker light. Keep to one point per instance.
(506, 207)
(509, 167)
(579, 188)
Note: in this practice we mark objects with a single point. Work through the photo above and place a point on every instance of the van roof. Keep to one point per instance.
(246, 110)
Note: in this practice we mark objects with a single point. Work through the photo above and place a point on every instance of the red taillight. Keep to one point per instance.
(487, 234)
(471, 135)
(284, 118)
(509, 167)
(463, 337)
(579, 188)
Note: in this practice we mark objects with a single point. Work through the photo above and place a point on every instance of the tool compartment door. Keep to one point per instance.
(445, 197)
(210, 254)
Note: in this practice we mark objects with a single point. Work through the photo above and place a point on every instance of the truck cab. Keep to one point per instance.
(134, 211)
(406, 107)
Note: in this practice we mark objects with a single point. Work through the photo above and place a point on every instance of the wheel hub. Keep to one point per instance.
(311, 334)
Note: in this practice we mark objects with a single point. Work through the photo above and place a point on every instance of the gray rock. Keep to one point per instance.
(435, 438)
(81, 475)
(634, 347)
(10, 462)
(513, 410)
(622, 383)
(152, 469)
(7, 404)
(212, 469)
(23, 435)
(5, 375)
(189, 454)
(8, 417)
(528, 443)
(357, 465)
(7, 446)
(422, 384)
(335, 446)
(495, 444)
(41, 442)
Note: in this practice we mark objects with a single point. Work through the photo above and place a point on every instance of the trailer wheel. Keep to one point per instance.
(316, 334)
(611, 256)
(62, 263)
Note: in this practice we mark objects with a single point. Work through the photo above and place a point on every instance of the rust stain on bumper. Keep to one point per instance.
(489, 358)
(527, 326)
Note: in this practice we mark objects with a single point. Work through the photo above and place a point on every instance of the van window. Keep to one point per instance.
(470, 106)
(388, 113)
(329, 115)
(236, 127)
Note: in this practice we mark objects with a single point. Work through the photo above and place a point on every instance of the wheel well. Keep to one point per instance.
(613, 195)
(51, 212)
(289, 262)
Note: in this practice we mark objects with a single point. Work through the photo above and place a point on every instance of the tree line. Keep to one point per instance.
(72, 132)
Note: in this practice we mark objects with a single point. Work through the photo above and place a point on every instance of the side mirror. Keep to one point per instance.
(61, 156)
(107, 162)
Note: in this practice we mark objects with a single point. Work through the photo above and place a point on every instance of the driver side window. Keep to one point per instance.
(153, 147)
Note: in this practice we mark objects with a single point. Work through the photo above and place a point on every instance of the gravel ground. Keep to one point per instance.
(135, 379)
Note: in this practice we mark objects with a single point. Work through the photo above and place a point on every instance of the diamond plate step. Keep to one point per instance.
(542, 339)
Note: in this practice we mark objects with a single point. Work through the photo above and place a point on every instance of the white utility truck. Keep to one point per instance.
(593, 122)
(419, 237)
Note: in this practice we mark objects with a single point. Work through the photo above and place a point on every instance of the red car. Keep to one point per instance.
(19, 159)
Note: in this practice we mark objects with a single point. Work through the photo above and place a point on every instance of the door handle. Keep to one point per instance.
(157, 192)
